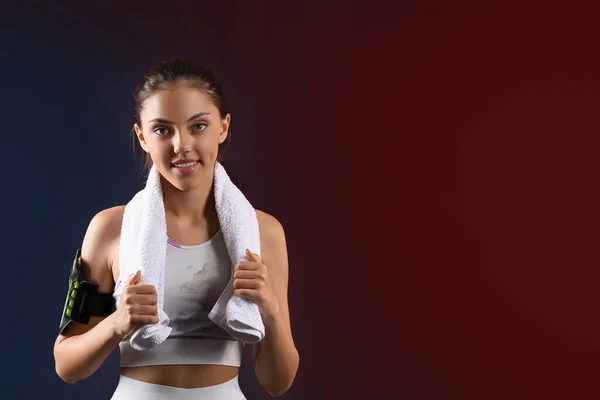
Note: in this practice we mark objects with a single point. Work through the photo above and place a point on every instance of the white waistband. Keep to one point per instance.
(128, 389)
(191, 351)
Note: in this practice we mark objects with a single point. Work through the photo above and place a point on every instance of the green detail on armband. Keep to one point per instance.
(83, 299)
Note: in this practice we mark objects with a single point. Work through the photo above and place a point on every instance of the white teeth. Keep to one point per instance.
(185, 165)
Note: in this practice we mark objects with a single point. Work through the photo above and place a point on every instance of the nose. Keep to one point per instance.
(182, 141)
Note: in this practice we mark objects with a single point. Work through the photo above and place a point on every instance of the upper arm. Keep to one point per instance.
(96, 258)
(275, 257)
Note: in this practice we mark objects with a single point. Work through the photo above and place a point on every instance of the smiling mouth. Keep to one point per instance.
(185, 165)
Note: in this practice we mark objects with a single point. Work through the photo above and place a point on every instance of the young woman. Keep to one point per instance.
(182, 124)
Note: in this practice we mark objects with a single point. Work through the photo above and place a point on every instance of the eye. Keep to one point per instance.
(161, 131)
(199, 126)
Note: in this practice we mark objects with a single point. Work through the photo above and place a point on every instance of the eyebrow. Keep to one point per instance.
(166, 121)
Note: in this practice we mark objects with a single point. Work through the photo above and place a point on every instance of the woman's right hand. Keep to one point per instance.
(137, 306)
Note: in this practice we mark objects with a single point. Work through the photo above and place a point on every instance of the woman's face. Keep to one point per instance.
(181, 130)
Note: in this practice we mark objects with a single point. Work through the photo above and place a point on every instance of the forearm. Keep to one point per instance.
(276, 359)
(79, 356)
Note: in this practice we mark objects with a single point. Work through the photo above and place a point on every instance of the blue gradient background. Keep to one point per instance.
(434, 165)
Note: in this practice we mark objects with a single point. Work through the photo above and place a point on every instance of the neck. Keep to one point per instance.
(194, 205)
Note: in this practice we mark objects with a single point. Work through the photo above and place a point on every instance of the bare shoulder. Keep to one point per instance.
(273, 246)
(270, 228)
(107, 222)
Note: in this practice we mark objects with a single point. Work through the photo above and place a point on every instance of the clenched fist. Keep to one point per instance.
(137, 306)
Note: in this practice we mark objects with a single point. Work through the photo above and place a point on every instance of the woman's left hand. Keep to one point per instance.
(251, 280)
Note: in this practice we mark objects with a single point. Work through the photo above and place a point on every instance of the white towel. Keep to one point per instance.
(143, 246)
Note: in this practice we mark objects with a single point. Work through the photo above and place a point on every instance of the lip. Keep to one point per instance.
(183, 161)
(185, 171)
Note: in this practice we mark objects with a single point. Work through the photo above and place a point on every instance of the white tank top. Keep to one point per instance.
(195, 277)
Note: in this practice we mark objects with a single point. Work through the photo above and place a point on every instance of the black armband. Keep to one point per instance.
(83, 299)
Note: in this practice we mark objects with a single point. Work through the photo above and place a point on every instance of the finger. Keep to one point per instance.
(246, 274)
(247, 293)
(144, 289)
(133, 278)
(253, 256)
(144, 310)
(145, 299)
(246, 284)
(144, 319)
(247, 265)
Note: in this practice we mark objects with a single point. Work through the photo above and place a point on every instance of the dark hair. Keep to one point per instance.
(174, 72)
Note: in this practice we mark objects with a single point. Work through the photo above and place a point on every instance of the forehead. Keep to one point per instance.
(177, 104)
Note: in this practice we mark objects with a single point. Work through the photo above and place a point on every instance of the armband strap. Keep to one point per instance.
(83, 299)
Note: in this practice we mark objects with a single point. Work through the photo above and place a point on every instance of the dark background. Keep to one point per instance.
(434, 164)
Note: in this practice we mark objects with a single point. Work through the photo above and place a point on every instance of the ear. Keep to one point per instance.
(140, 136)
(224, 128)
